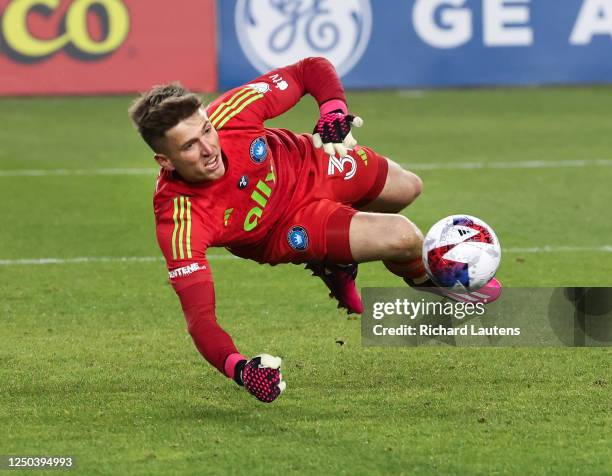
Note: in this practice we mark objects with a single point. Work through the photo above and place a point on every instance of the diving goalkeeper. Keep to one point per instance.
(273, 196)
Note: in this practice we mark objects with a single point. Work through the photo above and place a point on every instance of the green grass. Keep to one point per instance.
(96, 362)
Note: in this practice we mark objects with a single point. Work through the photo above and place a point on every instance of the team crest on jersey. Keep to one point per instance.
(297, 238)
(258, 150)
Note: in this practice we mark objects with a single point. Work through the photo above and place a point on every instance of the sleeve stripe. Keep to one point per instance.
(175, 228)
(188, 228)
(229, 102)
(244, 104)
(233, 106)
(182, 226)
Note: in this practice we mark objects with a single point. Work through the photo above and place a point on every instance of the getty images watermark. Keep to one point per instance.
(521, 317)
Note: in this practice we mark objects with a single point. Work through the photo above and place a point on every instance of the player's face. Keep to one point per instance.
(192, 149)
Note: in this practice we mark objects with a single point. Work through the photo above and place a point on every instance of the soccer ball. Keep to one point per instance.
(461, 253)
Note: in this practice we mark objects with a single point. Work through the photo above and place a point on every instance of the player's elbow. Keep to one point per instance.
(317, 59)
(199, 318)
(318, 62)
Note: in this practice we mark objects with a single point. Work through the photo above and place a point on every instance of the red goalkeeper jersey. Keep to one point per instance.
(265, 171)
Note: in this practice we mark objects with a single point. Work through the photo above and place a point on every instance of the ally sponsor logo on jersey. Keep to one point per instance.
(260, 196)
(273, 34)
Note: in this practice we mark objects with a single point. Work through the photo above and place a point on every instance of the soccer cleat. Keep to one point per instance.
(488, 293)
(340, 280)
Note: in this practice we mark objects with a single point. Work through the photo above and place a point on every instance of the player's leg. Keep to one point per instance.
(390, 238)
(401, 188)
(368, 181)
(397, 242)
(352, 237)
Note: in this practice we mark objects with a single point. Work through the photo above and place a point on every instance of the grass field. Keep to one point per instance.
(96, 362)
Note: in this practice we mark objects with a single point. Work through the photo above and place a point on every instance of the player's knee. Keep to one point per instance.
(417, 185)
(413, 187)
(405, 239)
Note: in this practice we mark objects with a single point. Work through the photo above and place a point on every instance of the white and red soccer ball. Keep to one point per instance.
(461, 252)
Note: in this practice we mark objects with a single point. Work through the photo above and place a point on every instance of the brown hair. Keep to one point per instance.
(160, 109)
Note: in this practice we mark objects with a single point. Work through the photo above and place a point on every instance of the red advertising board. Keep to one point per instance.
(105, 46)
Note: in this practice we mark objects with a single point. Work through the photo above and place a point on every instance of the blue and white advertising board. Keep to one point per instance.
(421, 43)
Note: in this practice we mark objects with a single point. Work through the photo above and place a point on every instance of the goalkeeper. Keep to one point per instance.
(273, 196)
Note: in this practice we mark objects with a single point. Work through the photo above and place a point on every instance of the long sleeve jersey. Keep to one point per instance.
(266, 174)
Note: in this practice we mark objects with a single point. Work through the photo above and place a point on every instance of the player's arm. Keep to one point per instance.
(183, 242)
(279, 90)
(261, 375)
(314, 76)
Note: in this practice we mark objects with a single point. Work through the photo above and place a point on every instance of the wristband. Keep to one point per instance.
(333, 105)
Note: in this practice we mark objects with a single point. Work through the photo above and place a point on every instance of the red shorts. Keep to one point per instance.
(318, 229)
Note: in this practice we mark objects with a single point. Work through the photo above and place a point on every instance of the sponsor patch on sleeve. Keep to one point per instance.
(186, 270)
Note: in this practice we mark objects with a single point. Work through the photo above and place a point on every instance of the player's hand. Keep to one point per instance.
(333, 132)
(262, 378)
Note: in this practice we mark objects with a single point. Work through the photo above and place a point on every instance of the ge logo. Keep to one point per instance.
(274, 33)
(35, 29)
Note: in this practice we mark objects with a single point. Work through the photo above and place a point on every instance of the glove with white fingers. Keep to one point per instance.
(261, 376)
(333, 132)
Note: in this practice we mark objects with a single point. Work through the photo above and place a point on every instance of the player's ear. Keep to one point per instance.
(163, 161)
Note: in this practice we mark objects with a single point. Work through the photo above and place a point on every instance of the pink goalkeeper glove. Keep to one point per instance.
(261, 377)
(333, 129)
